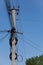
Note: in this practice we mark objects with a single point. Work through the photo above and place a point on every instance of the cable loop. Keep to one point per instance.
(19, 58)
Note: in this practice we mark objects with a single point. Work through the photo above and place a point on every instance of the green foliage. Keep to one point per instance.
(35, 60)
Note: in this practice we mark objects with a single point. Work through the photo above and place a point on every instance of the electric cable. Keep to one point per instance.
(3, 31)
(33, 42)
(13, 3)
(4, 37)
(29, 20)
(32, 45)
(18, 58)
(17, 3)
(7, 3)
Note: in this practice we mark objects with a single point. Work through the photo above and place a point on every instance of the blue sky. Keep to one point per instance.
(31, 23)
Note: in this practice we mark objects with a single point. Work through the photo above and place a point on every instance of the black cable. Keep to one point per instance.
(4, 37)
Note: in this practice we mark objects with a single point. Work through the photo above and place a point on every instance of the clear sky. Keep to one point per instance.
(30, 21)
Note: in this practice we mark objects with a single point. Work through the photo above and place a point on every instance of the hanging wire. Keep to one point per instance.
(13, 3)
(30, 20)
(8, 6)
(33, 42)
(23, 45)
(4, 37)
(34, 46)
(17, 3)
(19, 58)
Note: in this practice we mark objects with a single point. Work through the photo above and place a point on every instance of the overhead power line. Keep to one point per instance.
(33, 43)
(34, 46)
(4, 37)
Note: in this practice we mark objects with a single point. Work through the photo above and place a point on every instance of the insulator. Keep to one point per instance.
(13, 30)
(10, 56)
(16, 40)
(10, 42)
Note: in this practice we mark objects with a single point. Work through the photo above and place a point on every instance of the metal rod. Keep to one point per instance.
(4, 31)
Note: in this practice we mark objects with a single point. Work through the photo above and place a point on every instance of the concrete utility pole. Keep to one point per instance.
(13, 36)
(13, 33)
